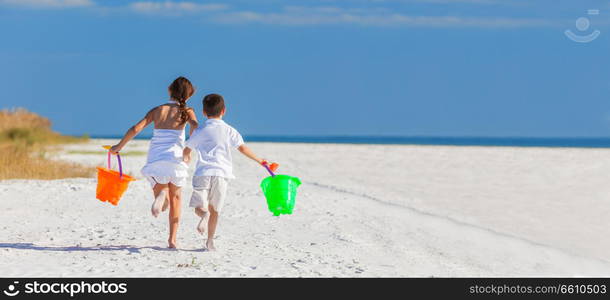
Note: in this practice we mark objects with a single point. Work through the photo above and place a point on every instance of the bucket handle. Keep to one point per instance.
(268, 169)
(118, 156)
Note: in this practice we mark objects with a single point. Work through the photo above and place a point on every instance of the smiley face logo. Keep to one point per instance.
(12, 290)
(583, 24)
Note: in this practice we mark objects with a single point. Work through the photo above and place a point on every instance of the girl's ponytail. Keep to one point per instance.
(184, 116)
(181, 90)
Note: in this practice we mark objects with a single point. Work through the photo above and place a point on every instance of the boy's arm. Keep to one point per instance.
(133, 131)
(189, 145)
(247, 152)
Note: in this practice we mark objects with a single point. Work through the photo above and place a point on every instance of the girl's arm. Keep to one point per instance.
(193, 124)
(133, 131)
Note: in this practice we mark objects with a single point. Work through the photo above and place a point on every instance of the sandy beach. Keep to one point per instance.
(363, 210)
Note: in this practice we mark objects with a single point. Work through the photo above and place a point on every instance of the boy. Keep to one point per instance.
(213, 143)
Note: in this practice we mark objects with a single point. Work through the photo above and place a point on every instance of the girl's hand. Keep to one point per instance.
(115, 149)
(186, 159)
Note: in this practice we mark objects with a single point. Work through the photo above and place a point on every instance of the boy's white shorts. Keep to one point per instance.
(209, 190)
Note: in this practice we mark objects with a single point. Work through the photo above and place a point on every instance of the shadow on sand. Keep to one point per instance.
(131, 249)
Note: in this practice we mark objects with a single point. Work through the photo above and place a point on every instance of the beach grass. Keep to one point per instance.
(25, 138)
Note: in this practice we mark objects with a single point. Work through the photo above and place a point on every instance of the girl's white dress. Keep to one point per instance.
(164, 163)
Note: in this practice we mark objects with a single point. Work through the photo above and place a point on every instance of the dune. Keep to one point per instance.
(363, 210)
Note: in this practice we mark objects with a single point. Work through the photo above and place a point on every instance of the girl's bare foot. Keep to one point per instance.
(171, 244)
(156, 206)
(210, 245)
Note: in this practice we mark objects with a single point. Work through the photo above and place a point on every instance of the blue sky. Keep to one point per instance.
(314, 67)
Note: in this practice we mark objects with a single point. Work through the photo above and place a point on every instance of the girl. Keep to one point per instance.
(164, 167)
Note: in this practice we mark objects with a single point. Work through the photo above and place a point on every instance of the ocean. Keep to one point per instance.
(601, 142)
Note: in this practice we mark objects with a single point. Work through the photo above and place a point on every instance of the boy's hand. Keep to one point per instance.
(272, 166)
(186, 159)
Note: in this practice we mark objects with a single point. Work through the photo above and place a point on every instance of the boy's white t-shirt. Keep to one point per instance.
(213, 143)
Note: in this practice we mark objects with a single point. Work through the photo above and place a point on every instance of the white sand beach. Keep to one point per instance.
(363, 210)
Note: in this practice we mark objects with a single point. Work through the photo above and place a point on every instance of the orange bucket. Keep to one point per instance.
(111, 184)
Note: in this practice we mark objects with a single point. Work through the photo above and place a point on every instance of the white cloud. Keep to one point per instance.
(334, 9)
(298, 15)
(464, 1)
(503, 2)
(375, 17)
(48, 3)
(174, 8)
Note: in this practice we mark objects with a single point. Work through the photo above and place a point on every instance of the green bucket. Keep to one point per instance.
(281, 192)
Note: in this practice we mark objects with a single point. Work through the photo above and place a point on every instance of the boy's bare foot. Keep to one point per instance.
(210, 245)
(156, 206)
(202, 227)
(199, 211)
(171, 244)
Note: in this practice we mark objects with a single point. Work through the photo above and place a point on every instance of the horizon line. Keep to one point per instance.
(370, 136)
(545, 142)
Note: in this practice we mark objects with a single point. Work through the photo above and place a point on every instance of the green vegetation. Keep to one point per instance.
(24, 138)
